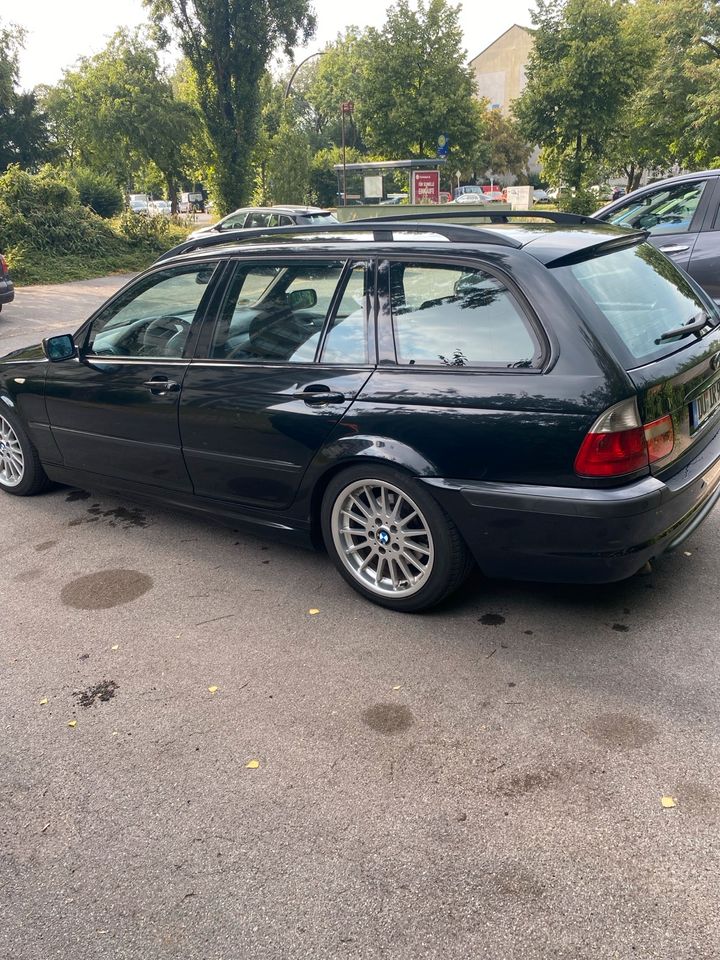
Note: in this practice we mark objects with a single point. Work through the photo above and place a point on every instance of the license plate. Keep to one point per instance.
(704, 406)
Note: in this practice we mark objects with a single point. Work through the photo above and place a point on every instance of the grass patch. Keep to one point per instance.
(42, 266)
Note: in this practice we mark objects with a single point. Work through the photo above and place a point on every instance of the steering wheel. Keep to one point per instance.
(162, 332)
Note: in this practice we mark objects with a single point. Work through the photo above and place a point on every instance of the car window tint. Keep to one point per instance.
(257, 219)
(273, 220)
(285, 221)
(640, 293)
(452, 316)
(667, 210)
(346, 340)
(153, 317)
(281, 322)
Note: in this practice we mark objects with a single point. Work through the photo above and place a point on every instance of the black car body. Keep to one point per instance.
(541, 398)
(254, 218)
(682, 216)
(7, 289)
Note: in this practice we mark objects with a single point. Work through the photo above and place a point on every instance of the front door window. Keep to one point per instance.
(152, 318)
(669, 209)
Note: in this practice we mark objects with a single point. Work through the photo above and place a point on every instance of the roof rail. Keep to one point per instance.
(496, 216)
(384, 232)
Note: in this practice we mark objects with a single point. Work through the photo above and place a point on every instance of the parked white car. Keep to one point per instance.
(160, 207)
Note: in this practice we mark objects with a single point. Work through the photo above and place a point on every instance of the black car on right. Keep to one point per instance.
(682, 216)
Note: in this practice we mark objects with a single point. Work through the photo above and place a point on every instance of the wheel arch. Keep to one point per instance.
(355, 451)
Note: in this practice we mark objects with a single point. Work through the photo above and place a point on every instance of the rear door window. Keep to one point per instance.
(275, 313)
(635, 296)
(457, 316)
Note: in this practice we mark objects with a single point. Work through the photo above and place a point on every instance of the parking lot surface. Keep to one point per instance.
(213, 749)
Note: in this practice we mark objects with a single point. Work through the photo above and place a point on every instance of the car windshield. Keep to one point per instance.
(634, 296)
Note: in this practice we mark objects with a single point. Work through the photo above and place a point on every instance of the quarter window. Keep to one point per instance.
(152, 318)
(456, 317)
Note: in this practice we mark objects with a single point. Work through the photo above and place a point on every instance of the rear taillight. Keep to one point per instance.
(618, 443)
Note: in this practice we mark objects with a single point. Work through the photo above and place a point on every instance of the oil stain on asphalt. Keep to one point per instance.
(28, 576)
(105, 589)
(117, 517)
(77, 495)
(388, 718)
(45, 545)
(491, 619)
(621, 730)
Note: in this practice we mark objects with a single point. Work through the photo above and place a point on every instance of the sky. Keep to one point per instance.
(60, 32)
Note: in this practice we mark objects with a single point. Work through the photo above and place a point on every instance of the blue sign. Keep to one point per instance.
(443, 145)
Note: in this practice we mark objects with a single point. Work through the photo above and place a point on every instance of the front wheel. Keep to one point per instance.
(391, 540)
(21, 472)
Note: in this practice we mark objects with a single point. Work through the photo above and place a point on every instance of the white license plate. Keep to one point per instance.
(704, 406)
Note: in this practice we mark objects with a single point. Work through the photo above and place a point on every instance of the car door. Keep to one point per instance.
(705, 259)
(672, 213)
(290, 350)
(113, 409)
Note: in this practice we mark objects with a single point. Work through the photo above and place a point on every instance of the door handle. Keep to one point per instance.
(318, 395)
(674, 248)
(162, 386)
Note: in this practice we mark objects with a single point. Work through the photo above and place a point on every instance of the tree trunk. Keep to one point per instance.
(637, 178)
(630, 176)
(172, 193)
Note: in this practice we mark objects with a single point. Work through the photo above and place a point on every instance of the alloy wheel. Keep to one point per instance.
(12, 462)
(383, 538)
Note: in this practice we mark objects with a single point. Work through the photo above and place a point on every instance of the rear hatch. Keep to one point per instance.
(666, 334)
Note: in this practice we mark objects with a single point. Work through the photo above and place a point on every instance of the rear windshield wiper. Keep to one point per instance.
(695, 326)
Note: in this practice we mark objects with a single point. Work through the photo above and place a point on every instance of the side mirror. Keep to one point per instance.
(59, 348)
(302, 299)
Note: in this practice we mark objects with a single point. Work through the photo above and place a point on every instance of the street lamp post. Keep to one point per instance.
(288, 88)
(346, 109)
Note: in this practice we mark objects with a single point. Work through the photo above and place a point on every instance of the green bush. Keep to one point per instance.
(141, 228)
(97, 191)
(43, 212)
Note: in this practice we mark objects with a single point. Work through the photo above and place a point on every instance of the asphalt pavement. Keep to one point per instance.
(212, 749)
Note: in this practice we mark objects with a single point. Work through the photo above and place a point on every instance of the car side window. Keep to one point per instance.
(153, 317)
(257, 219)
(455, 316)
(285, 221)
(275, 313)
(233, 223)
(346, 340)
(666, 210)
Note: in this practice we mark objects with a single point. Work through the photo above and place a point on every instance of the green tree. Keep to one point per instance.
(229, 44)
(24, 137)
(580, 73)
(415, 84)
(120, 109)
(508, 150)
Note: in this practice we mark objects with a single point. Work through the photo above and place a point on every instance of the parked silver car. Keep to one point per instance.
(276, 216)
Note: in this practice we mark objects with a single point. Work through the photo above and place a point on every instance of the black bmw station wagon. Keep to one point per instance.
(537, 396)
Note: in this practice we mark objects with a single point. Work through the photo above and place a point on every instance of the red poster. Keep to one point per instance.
(426, 186)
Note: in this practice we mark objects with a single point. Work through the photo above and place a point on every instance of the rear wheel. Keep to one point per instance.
(21, 472)
(390, 539)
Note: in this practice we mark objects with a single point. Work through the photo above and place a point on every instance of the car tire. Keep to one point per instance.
(21, 472)
(391, 540)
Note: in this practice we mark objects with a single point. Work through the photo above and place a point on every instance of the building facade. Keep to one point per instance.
(500, 68)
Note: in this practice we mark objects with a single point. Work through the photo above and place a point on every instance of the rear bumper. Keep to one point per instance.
(575, 535)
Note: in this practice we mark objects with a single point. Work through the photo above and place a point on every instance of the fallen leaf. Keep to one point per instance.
(397, 687)
(72, 723)
(115, 646)
(313, 612)
(43, 701)
(252, 764)
(687, 553)
(667, 802)
(213, 689)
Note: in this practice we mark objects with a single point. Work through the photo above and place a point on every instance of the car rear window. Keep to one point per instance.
(633, 296)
